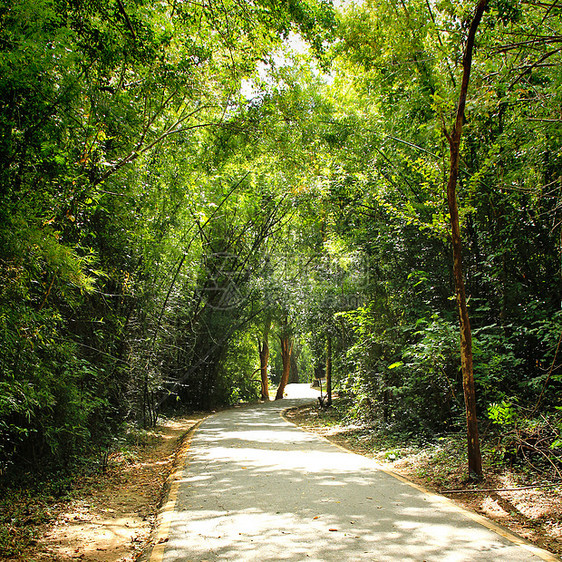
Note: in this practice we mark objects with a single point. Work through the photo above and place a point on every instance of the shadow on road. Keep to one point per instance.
(257, 488)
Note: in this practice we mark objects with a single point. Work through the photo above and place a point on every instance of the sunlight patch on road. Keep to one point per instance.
(284, 459)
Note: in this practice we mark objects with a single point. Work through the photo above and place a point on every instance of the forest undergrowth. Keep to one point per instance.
(521, 493)
(103, 512)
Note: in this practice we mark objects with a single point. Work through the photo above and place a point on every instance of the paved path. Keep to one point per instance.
(255, 487)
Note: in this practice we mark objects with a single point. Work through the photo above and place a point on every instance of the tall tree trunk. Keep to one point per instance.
(294, 374)
(474, 456)
(264, 360)
(286, 349)
(328, 399)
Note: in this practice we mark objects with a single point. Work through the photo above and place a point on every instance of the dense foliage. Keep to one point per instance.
(182, 182)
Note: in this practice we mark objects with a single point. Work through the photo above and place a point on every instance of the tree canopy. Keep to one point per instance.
(197, 199)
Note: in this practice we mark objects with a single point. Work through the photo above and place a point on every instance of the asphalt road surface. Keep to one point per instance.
(255, 487)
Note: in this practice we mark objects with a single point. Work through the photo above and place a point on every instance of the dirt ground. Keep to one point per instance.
(534, 513)
(111, 519)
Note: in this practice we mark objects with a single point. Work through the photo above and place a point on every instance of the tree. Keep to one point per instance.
(173, 179)
(286, 342)
(474, 455)
(112, 120)
(263, 348)
(328, 400)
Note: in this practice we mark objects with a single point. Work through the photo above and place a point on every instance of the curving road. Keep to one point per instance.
(255, 487)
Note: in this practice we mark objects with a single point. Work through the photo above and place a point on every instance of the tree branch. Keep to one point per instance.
(127, 20)
(535, 64)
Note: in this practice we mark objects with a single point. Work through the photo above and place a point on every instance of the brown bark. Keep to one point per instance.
(474, 456)
(294, 375)
(328, 399)
(264, 361)
(286, 349)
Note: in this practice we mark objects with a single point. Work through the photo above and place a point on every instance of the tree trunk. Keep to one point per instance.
(294, 375)
(264, 360)
(474, 456)
(328, 399)
(286, 349)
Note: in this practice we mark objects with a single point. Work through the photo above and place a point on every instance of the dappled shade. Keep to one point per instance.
(257, 488)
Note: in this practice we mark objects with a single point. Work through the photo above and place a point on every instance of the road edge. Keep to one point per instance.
(476, 517)
(164, 517)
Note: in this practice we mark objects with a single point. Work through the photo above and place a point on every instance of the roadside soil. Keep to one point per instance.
(534, 513)
(111, 516)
